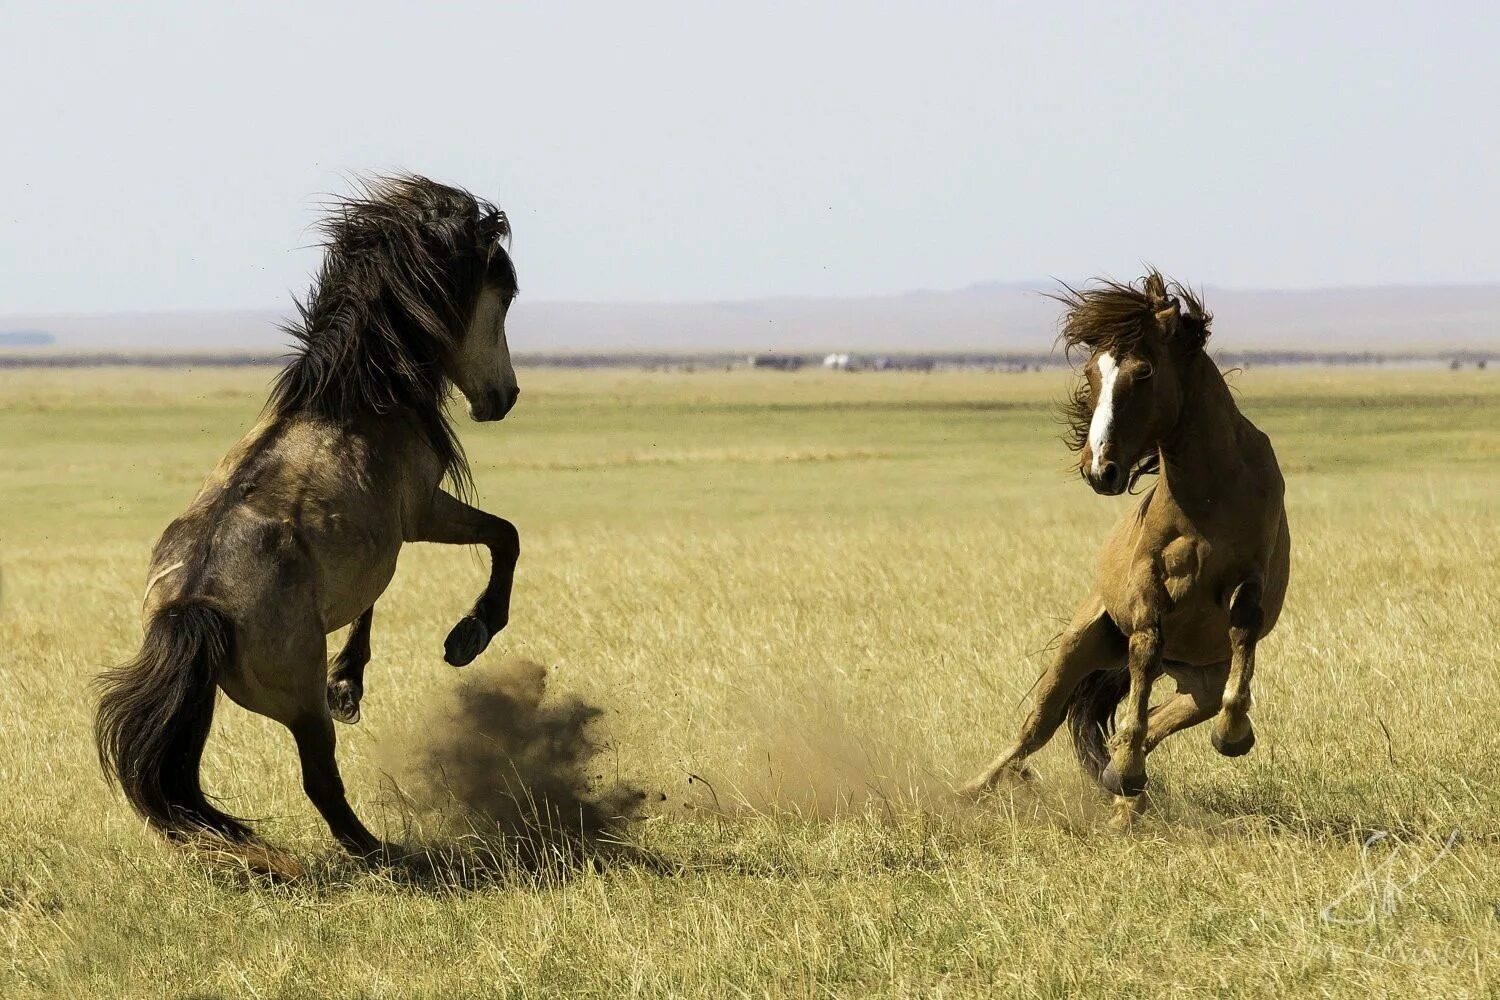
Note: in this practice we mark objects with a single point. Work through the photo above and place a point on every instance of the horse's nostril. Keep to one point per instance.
(1109, 475)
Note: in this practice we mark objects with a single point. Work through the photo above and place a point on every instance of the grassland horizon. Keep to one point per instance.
(808, 605)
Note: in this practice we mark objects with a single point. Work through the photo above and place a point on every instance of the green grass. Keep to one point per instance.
(828, 596)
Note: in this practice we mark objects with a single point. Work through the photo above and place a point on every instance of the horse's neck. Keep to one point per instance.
(1202, 453)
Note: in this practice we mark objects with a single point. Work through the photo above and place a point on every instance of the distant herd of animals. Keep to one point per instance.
(296, 532)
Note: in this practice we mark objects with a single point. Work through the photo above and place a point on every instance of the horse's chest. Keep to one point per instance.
(1180, 577)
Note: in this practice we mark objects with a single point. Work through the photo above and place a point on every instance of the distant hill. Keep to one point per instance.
(26, 338)
(992, 317)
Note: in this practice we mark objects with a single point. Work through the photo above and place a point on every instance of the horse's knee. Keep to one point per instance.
(505, 541)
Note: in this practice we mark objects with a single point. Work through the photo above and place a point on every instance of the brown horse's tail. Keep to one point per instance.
(1091, 717)
(153, 720)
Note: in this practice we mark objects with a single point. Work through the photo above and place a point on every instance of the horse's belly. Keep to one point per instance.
(355, 559)
(350, 589)
(1197, 634)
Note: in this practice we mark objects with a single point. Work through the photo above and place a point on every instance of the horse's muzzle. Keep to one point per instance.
(1110, 480)
(494, 405)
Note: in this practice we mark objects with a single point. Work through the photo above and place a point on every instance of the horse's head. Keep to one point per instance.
(416, 283)
(481, 367)
(1138, 338)
(467, 237)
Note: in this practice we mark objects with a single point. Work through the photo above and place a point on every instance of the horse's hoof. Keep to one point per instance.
(385, 855)
(467, 640)
(976, 789)
(394, 859)
(1232, 748)
(986, 784)
(1128, 785)
(343, 700)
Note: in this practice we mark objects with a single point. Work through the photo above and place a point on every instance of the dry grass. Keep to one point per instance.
(826, 596)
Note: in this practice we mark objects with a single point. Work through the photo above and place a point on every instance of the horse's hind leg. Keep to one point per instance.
(1092, 642)
(323, 785)
(1232, 734)
(451, 521)
(1199, 692)
(346, 675)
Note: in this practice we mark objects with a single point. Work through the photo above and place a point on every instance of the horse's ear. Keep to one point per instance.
(1156, 289)
(1169, 320)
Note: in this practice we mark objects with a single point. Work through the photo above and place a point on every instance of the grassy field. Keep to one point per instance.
(828, 597)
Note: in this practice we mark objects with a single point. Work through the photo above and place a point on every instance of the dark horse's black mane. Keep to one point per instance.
(403, 263)
(1116, 316)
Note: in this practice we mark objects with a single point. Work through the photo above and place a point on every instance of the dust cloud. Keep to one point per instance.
(500, 772)
(807, 751)
(809, 755)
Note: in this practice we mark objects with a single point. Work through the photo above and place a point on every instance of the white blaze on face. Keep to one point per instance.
(1104, 412)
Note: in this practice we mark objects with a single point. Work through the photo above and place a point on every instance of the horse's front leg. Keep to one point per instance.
(1126, 773)
(1232, 735)
(450, 521)
(346, 675)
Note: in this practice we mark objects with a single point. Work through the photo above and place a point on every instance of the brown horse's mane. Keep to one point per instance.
(1116, 316)
(403, 261)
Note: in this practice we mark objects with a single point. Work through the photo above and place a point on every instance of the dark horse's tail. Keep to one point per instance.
(153, 720)
(1091, 717)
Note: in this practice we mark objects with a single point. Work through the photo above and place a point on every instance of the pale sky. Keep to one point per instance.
(170, 156)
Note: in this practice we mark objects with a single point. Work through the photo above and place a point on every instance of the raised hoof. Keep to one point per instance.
(1232, 748)
(1115, 783)
(343, 700)
(467, 640)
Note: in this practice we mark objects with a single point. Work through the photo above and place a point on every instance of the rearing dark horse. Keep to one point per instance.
(1194, 575)
(296, 532)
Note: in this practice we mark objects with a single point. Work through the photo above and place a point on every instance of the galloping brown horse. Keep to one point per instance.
(296, 532)
(1193, 576)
